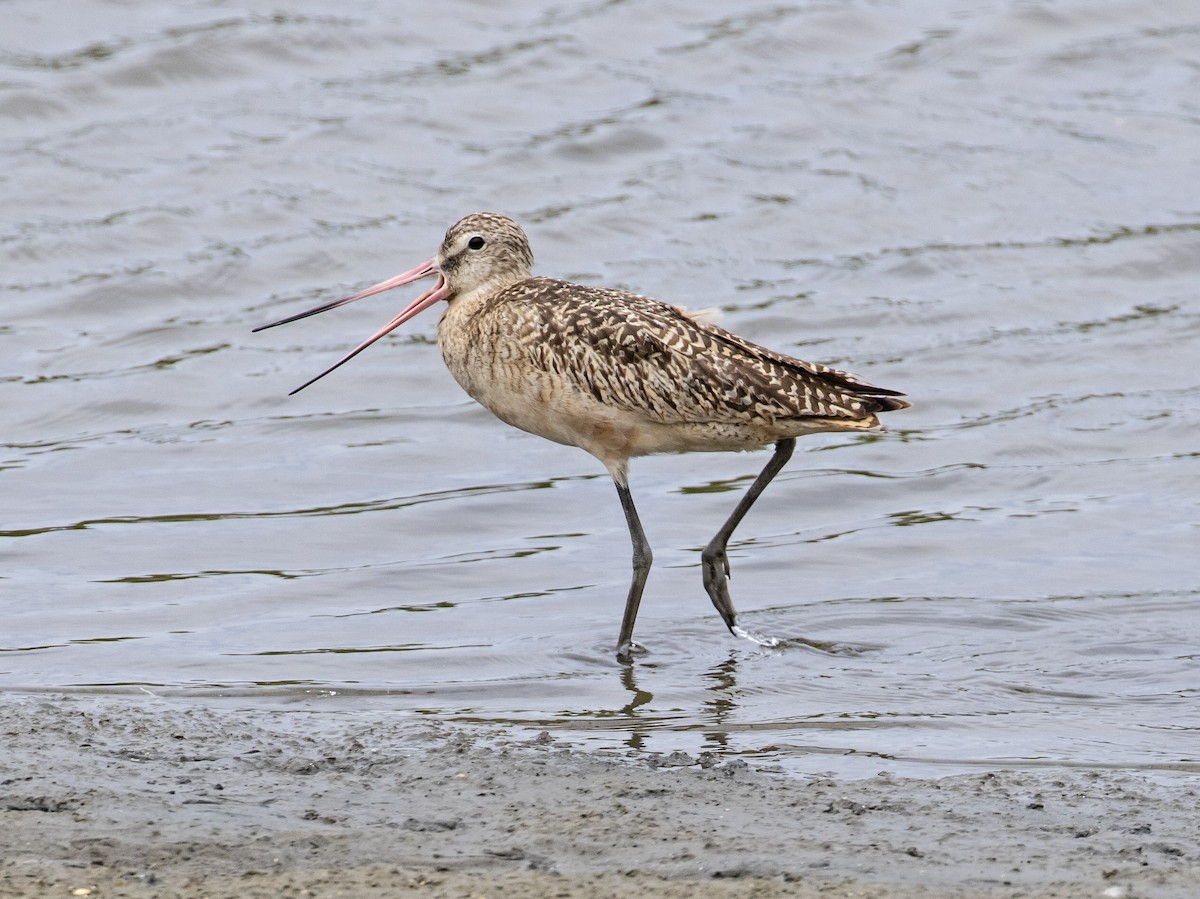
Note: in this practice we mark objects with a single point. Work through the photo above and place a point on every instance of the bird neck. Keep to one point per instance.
(480, 294)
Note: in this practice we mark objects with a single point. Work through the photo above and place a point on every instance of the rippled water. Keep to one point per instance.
(992, 206)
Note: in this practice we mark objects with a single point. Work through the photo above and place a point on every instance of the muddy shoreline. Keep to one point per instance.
(124, 797)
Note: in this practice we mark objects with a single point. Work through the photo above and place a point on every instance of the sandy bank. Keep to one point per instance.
(141, 798)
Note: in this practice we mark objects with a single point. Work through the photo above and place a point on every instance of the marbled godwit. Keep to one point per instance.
(618, 375)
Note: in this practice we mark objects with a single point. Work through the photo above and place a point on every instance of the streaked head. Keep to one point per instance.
(482, 250)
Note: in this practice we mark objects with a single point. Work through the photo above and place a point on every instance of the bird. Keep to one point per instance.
(618, 375)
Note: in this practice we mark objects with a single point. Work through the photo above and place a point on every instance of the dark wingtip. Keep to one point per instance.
(883, 391)
(891, 403)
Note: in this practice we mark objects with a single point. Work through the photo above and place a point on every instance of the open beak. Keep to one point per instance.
(420, 304)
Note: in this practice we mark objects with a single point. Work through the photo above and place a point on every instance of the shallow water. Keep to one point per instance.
(991, 206)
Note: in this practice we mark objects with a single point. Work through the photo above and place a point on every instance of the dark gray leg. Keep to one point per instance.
(642, 559)
(714, 561)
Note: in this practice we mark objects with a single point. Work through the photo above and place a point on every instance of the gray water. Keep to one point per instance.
(993, 206)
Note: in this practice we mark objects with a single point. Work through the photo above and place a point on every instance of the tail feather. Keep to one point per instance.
(890, 403)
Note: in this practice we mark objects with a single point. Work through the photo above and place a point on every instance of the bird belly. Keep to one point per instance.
(542, 403)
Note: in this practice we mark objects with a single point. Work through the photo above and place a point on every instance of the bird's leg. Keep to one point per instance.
(642, 559)
(714, 560)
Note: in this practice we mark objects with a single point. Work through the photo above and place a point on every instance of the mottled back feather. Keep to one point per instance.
(648, 357)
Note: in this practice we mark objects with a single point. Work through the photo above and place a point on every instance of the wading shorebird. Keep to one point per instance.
(618, 375)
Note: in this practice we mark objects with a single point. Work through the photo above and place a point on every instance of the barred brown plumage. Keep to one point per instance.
(619, 375)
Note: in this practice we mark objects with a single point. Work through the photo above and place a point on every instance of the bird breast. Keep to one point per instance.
(500, 356)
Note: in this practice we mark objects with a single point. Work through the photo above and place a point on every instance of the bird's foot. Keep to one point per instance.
(718, 559)
(626, 651)
(715, 565)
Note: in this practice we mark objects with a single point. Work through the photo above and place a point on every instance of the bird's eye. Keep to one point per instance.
(475, 243)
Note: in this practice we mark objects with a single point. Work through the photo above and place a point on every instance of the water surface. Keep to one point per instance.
(992, 206)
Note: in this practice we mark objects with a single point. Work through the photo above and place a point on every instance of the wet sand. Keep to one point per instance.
(141, 798)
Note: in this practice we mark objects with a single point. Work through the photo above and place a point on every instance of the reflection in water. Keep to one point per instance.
(83, 641)
(720, 705)
(638, 697)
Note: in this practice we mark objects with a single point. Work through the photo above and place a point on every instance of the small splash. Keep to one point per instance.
(833, 647)
(754, 638)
